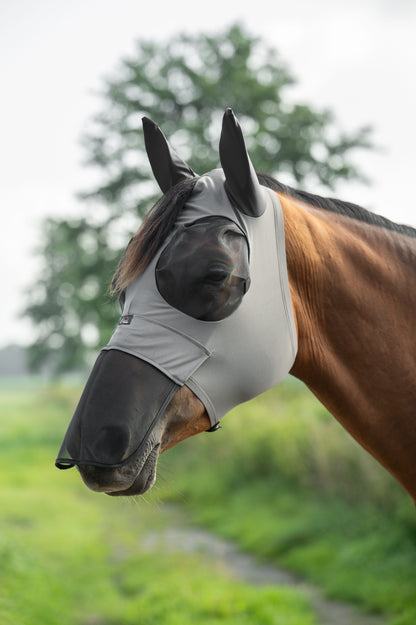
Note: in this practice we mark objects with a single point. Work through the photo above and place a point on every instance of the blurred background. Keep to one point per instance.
(325, 93)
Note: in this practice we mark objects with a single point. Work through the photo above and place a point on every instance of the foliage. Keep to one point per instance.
(289, 484)
(184, 84)
(70, 303)
(72, 557)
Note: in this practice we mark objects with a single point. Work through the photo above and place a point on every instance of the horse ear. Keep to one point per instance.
(168, 168)
(241, 181)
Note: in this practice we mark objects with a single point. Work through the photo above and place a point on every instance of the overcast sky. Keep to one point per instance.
(357, 58)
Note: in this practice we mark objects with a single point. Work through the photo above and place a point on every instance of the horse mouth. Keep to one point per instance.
(134, 478)
(144, 480)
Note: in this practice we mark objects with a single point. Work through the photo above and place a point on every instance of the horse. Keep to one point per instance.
(232, 281)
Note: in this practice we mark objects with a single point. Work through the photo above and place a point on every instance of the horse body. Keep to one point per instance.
(352, 283)
(353, 288)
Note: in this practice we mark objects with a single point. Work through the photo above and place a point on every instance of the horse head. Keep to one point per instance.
(206, 325)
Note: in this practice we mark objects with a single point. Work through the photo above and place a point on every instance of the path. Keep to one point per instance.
(244, 566)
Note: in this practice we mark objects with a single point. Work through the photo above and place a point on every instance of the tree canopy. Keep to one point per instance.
(184, 84)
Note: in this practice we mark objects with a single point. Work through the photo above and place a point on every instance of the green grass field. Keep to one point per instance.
(71, 557)
(284, 480)
(281, 478)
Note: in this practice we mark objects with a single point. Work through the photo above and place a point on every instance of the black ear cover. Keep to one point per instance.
(242, 184)
(168, 168)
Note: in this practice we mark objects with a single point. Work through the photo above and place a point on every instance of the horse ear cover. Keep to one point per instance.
(168, 168)
(242, 185)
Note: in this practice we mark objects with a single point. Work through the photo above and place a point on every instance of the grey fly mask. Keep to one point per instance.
(224, 362)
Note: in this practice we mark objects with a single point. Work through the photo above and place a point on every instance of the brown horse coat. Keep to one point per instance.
(353, 288)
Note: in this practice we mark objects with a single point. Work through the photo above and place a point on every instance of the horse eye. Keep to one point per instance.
(216, 276)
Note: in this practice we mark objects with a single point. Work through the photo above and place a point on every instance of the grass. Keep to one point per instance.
(281, 478)
(70, 557)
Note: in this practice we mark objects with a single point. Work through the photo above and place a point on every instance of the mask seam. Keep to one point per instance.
(282, 268)
(201, 394)
(156, 365)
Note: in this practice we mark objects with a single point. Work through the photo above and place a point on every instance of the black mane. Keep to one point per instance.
(336, 206)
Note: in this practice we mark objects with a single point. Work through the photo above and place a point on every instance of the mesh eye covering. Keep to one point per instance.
(209, 285)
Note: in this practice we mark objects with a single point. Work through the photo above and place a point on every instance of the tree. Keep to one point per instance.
(185, 85)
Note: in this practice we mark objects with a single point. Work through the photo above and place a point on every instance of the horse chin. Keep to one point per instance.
(134, 478)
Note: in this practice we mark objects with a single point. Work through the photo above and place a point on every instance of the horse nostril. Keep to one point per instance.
(111, 444)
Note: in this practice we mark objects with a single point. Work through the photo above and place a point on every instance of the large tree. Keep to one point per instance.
(184, 84)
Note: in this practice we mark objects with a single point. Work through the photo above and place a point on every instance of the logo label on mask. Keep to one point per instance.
(125, 320)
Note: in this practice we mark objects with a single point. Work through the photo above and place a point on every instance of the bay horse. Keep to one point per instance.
(233, 280)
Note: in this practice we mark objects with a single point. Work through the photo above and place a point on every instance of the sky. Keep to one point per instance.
(357, 58)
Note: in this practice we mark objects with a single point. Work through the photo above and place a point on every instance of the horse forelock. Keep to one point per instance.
(152, 233)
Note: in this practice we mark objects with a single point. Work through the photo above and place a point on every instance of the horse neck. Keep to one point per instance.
(354, 298)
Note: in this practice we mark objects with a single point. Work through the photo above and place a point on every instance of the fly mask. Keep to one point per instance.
(225, 356)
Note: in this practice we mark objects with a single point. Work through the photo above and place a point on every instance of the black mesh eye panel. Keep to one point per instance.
(204, 269)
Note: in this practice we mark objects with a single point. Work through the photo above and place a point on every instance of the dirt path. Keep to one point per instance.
(243, 566)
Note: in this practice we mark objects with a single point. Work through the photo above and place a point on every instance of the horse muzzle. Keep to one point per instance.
(133, 478)
(111, 437)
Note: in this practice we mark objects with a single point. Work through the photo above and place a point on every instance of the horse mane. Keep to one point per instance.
(340, 207)
(161, 218)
